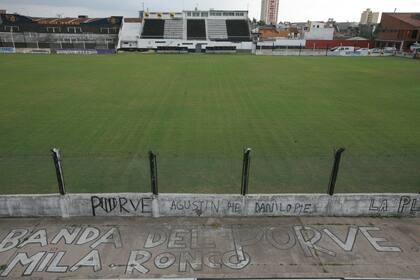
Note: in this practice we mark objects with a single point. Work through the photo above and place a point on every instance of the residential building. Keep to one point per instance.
(399, 30)
(319, 30)
(270, 11)
(368, 17)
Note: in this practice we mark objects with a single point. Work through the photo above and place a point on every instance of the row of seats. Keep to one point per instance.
(174, 29)
(44, 45)
(196, 29)
(238, 30)
(217, 29)
(153, 29)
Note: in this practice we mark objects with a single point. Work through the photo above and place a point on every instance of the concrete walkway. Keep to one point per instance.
(112, 248)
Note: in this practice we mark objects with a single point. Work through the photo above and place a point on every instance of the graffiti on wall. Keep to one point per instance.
(177, 250)
(272, 206)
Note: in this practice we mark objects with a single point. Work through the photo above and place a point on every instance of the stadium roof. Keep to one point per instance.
(133, 20)
(81, 20)
(410, 18)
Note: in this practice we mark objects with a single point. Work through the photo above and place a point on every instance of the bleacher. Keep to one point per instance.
(196, 29)
(59, 33)
(153, 29)
(217, 30)
(174, 29)
(238, 30)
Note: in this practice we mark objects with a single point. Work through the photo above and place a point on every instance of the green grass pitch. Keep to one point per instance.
(199, 112)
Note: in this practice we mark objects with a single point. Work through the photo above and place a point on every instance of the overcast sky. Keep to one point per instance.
(301, 10)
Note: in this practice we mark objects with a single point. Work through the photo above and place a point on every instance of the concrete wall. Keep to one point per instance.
(320, 34)
(131, 204)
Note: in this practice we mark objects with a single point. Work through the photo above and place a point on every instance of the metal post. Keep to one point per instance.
(334, 173)
(326, 51)
(153, 173)
(245, 172)
(300, 49)
(13, 39)
(59, 170)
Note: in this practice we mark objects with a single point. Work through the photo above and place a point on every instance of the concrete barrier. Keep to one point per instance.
(193, 205)
(33, 51)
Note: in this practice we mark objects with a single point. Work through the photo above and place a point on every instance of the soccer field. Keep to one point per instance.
(198, 113)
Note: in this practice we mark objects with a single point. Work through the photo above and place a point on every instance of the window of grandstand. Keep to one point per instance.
(107, 30)
(216, 14)
(44, 45)
(171, 48)
(196, 14)
(221, 48)
(8, 28)
(229, 14)
(53, 29)
(67, 46)
(74, 29)
(204, 14)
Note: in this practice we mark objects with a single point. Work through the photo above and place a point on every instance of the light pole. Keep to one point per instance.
(13, 40)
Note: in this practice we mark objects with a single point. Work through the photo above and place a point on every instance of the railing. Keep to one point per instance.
(343, 172)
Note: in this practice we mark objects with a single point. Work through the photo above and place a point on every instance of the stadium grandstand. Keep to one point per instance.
(187, 31)
(59, 34)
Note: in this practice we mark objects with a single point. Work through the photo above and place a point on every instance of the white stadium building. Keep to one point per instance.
(188, 31)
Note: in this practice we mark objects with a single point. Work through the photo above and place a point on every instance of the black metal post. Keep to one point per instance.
(326, 51)
(153, 173)
(334, 173)
(245, 172)
(300, 49)
(59, 170)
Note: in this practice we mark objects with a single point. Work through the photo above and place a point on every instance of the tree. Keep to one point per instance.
(261, 23)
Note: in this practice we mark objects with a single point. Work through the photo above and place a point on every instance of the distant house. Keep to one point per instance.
(319, 30)
(399, 30)
(272, 33)
(345, 30)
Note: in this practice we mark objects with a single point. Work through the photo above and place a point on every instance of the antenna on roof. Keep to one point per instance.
(395, 10)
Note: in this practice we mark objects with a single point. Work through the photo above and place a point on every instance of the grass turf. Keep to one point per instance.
(198, 112)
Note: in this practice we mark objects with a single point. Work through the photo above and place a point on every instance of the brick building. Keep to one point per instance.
(399, 30)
